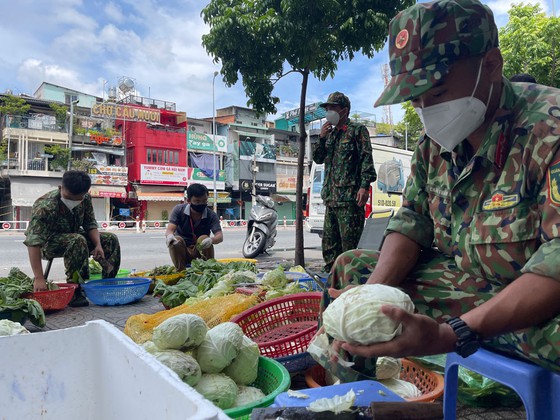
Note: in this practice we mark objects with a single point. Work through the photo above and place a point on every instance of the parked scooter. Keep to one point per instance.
(261, 229)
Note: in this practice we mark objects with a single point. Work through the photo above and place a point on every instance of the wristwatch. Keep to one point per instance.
(468, 341)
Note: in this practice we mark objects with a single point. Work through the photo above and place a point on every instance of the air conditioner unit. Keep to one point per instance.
(132, 194)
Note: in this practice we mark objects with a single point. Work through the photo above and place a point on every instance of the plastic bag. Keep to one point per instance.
(474, 389)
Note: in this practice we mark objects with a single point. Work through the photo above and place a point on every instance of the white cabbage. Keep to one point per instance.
(184, 365)
(244, 368)
(180, 331)
(355, 316)
(220, 346)
(402, 388)
(388, 367)
(218, 388)
(247, 395)
(8, 327)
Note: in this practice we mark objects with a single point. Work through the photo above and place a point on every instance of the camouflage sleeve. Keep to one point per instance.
(546, 260)
(413, 218)
(37, 231)
(89, 215)
(368, 174)
(320, 151)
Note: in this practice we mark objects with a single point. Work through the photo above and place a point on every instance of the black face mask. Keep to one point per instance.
(199, 208)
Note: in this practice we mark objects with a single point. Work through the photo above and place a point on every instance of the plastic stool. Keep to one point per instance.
(536, 386)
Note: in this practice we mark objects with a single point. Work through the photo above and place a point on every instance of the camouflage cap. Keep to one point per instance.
(427, 37)
(337, 98)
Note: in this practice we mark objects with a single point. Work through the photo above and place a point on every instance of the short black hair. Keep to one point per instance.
(523, 77)
(76, 182)
(196, 190)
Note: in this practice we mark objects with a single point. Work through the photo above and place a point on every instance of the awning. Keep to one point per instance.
(249, 134)
(25, 190)
(111, 191)
(85, 148)
(148, 189)
(160, 196)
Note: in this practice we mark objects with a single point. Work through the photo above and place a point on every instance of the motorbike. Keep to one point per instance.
(261, 227)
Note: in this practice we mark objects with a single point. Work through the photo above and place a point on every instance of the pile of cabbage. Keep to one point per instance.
(220, 363)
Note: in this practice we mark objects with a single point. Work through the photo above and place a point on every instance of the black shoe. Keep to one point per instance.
(78, 300)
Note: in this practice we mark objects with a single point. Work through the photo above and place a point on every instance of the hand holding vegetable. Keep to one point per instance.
(39, 284)
(421, 335)
(206, 243)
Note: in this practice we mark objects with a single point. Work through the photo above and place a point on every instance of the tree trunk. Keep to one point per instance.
(299, 258)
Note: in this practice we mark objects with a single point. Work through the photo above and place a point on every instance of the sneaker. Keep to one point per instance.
(79, 299)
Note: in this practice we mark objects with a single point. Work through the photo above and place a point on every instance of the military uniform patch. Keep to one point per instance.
(402, 39)
(554, 183)
(500, 201)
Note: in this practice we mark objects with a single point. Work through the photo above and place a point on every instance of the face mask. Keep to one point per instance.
(449, 123)
(199, 208)
(70, 203)
(333, 117)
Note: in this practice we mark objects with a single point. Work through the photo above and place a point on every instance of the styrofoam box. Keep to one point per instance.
(91, 372)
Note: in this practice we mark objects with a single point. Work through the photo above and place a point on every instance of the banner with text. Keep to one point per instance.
(163, 175)
(204, 142)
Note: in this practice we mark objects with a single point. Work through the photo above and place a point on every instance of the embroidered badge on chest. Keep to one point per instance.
(554, 183)
(500, 200)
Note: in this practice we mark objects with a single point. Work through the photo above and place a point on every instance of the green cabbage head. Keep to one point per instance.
(220, 346)
(247, 395)
(184, 365)
(182, 331)
(244, 368)
(218, 388)
(356, 317)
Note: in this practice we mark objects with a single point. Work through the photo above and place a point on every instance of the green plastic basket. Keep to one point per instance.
(273, 379)
(122, 273)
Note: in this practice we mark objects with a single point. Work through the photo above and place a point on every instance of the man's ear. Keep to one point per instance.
(494, 65)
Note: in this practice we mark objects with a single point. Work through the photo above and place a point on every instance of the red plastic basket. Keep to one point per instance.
(54, 300)
(283, 326)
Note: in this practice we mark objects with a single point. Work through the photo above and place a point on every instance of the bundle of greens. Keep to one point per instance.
(12, 305)
(199, 278)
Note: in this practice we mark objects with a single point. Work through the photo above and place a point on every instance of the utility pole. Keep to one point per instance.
(254, 170)
(71, 131)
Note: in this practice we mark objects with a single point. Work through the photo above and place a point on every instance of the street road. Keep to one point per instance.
(144, 251)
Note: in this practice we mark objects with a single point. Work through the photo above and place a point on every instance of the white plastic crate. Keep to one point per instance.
(91, 372)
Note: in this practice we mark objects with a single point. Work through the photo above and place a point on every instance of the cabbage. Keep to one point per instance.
(220, 346)
(218, 388)
(182, 364)
(150, 347)
(247, 395)
(224, 286)
(402, 388)
(244, 368)
(388, 367)
(8, 327)
(180, 331)
(275, 279)
(355, 316)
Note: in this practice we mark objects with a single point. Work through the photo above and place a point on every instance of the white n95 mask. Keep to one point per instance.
(449, 123)
(71, 204)
(333, 117)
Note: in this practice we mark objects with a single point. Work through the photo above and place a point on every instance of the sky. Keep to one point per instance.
(88, 45)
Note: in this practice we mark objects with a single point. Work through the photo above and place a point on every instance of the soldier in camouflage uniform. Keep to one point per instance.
(478, 235)
(63, 225)
(345, 149)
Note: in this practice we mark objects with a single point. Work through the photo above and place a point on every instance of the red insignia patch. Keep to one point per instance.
(402, 39)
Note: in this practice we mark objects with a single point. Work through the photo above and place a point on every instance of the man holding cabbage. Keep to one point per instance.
(476, 244)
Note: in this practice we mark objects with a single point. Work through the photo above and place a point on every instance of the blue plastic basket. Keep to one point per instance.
(120, 291)
(297, 362)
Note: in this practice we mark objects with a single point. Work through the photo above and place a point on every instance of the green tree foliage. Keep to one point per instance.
(384, 128)
(60, 112)
(264, 40)
(13, 105)
(530, 44)
(410, 126)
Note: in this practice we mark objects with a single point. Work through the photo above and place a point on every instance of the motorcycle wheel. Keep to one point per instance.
(253, 248)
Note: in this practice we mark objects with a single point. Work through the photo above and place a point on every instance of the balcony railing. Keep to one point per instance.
(35, 122)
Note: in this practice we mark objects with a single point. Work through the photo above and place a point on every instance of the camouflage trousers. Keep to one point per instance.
(76, 249)
(440, 291)
(342, 229)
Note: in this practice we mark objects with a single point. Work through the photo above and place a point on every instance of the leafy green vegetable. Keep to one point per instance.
(94, 267)
(275, 279)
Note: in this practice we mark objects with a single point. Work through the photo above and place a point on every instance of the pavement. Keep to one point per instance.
(118, 315)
